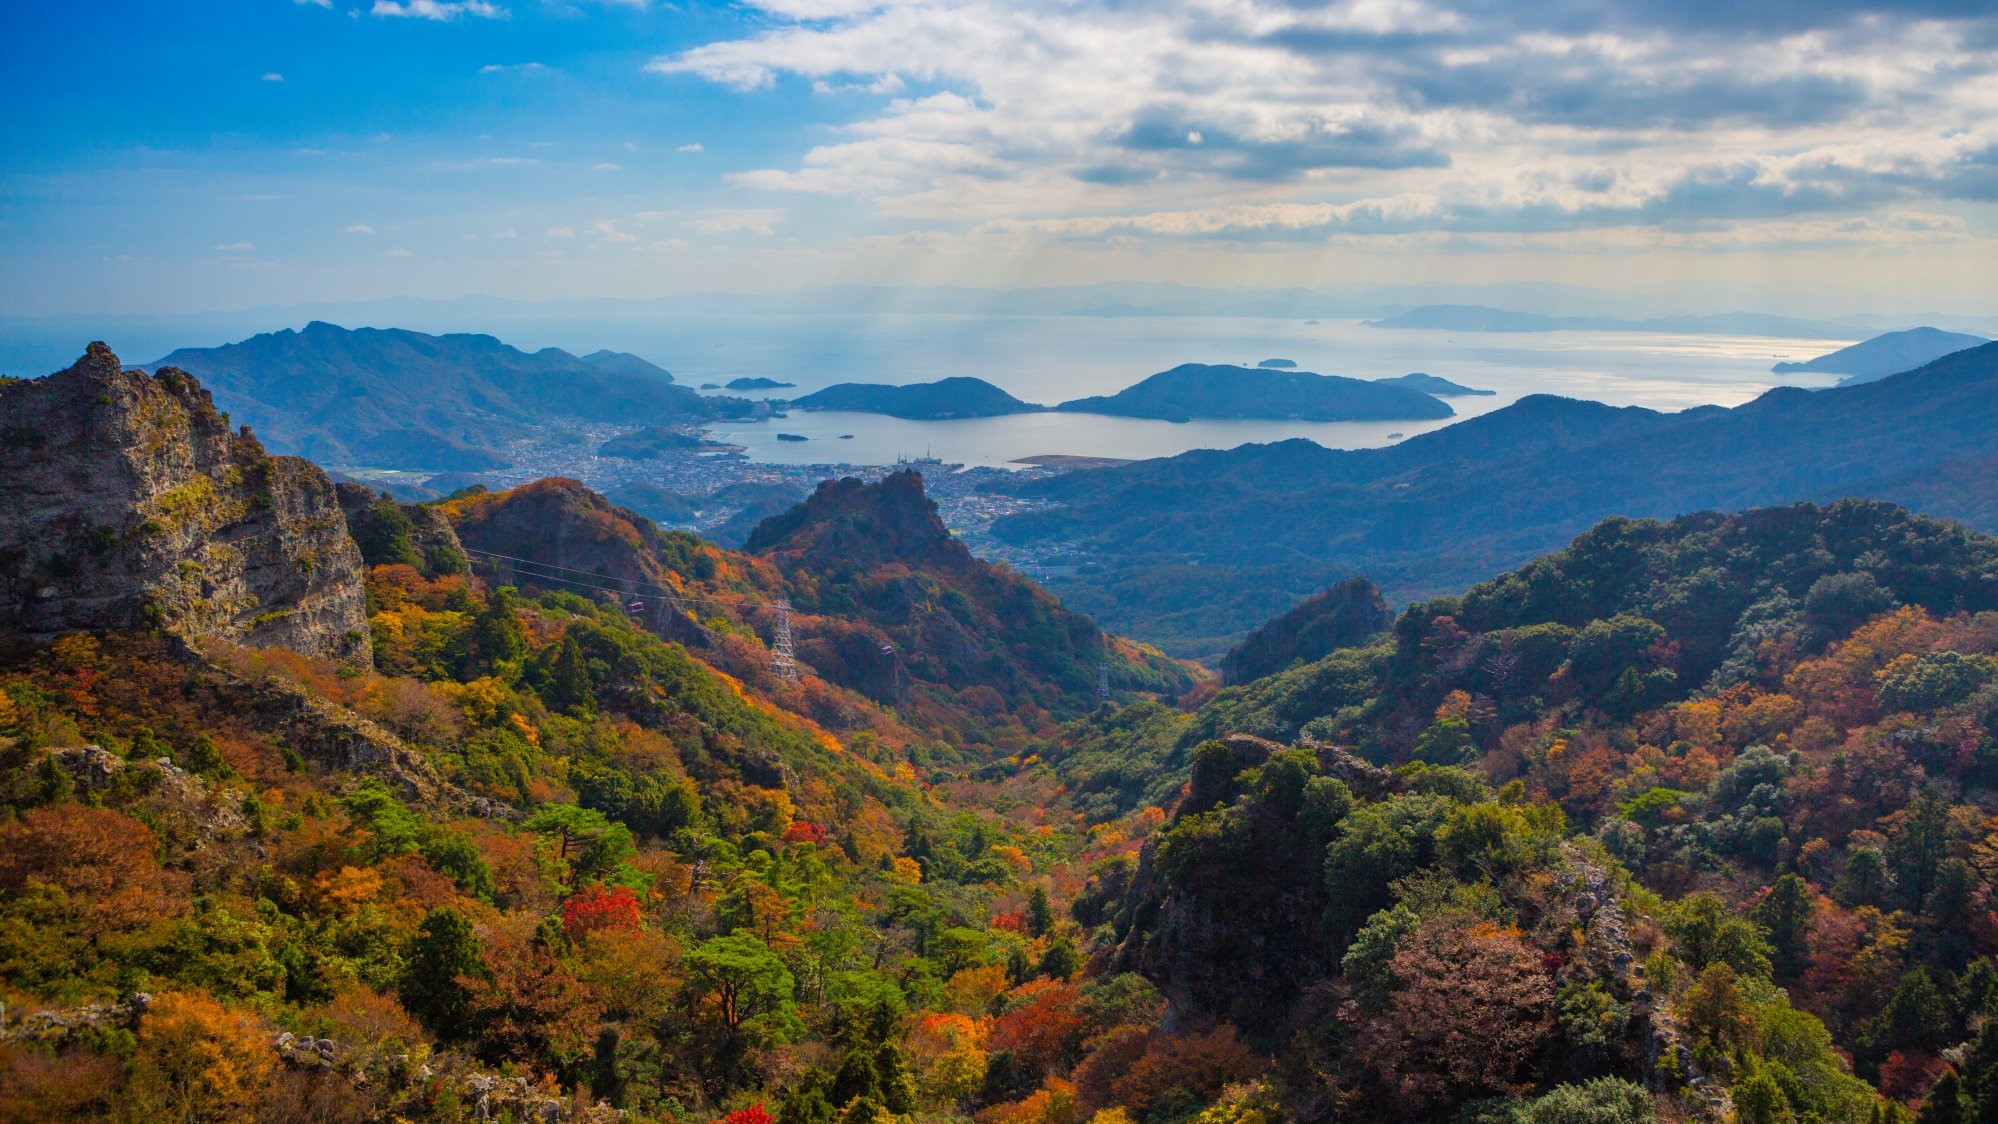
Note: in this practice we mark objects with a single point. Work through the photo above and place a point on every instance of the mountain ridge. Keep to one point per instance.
(1883, 355)
(404, 398)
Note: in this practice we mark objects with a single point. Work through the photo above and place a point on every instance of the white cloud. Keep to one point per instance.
(235, 247)
(272, 76)
(695, 147)
(509, 233)
(606, 166)
(630, 147)
(360, 228)
(326, 4)
(513, 68)
(561, 232)
(440, 10)
(1372, 118)
(395, 252)
(748, 221)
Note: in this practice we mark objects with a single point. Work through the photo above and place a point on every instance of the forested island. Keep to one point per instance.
(1198, 390)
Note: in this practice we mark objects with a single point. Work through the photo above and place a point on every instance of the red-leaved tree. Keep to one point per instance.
(805, 831)
(597, 909)
(754, 1114)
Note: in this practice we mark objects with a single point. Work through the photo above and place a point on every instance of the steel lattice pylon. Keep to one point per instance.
(783, 660)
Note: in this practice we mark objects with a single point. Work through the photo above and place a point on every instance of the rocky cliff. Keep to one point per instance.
(126, 501)
(887, 594)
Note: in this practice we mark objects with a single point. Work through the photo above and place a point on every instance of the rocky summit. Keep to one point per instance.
(126, 501)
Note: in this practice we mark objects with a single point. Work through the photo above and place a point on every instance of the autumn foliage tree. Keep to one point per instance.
(196, 1060)
(1473, 1007)
(600, 909)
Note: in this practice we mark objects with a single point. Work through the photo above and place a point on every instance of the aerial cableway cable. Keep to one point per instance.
(783, 660)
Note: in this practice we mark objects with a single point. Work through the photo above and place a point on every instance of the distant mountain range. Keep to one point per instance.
(372, 396)
(1479, 318)
(36, 344)
(1193, 550)
(1884, 355)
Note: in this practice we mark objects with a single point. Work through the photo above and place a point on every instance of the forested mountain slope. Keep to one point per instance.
(521, 857)
(1699, 806)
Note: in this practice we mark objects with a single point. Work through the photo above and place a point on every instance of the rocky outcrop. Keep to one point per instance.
(127, 502)
(849, 523)
(556, 534)
(389, 532)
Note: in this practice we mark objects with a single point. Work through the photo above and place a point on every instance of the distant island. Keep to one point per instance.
(1198, 390)
(1432, 384)
(792, 437)
(757, 383)
(625, 363)
(923, 401)
(1884, 355)
(1479, 318)
(651, 442)
(1277, 364)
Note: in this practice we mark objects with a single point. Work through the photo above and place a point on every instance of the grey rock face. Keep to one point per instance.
(125, 501)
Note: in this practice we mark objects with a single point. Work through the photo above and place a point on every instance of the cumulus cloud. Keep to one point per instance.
(441, 10)
(696, 147)
(512, 68)
(360, 228)
(273, 76)
(1337, 118)
(235, 247)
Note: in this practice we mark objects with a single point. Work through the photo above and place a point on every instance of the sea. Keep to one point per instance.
(1049, 359)
(1052, 358)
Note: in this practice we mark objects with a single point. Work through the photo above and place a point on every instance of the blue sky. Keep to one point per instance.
(175, 157)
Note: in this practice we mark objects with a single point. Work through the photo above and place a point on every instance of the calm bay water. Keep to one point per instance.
(1048, 359)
